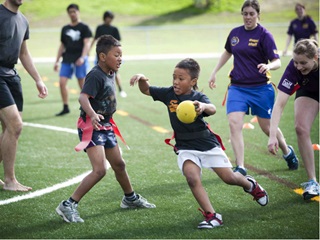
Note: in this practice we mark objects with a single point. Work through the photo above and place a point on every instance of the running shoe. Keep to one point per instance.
(140, 202)
(241, 170)
(292, 160)
(258, 193)
(311, 189)
(212, 220)
(68, 212)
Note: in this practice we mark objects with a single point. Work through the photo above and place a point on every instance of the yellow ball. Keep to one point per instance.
(186, 112)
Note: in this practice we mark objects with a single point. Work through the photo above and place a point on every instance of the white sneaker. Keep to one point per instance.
(140, 202)
(212, 220)
(311, 189)
(258, 193)
(69, 212)
(123, 94)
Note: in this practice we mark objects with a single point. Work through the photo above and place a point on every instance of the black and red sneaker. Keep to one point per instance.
(259, 194)
(212, 220)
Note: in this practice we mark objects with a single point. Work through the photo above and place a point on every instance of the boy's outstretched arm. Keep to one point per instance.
(142, 82)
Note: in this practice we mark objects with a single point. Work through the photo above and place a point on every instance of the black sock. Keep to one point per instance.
(70, 201)
(65, 107)
(131, 196)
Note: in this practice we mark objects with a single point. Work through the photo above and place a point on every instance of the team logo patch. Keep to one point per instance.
(253, 42)
(287, 84)
(234, 41)
(173, 105)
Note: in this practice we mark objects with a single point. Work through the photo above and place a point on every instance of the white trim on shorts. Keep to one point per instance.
(213, 158)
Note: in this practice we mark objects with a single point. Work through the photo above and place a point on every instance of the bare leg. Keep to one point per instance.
(12, 126)
(265, 126)
(80, 82)
(304, 118)
(233, 178)
(99, 167)
(236, 137)
(64, 90)
(193, 177)
(118, 165)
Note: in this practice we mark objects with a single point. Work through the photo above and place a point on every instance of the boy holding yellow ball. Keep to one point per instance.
(196, 145)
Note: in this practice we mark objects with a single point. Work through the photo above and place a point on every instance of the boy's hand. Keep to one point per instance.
(199, 107)
(136, 78)
(95, 120)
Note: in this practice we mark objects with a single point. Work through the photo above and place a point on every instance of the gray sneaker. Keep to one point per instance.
(140, 202)
(311, 189)
(69, 212)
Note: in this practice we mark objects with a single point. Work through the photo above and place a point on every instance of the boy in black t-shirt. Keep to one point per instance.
(196, 145)
(74, 48)
(98, 103)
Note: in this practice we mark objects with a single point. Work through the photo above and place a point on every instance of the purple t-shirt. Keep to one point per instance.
(293, 76)
(302, 28)
(250, 48)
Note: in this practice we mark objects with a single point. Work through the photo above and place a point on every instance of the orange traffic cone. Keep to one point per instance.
(248, 126)
(254, 119)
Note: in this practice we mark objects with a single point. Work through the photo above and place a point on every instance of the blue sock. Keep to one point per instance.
(131, 196)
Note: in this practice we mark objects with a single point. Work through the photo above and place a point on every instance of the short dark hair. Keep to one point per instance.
(251, 3)
(192, 66)
(299, 5)
(105, 43)
(73, 5)
(108, 14)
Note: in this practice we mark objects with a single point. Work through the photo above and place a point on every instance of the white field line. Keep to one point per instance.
(41, 192)
(55, 187)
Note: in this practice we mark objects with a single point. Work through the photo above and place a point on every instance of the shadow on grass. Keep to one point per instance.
(174, 16)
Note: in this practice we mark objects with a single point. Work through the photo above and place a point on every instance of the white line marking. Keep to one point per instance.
(60, 129)
(45, 190)
(53, 188)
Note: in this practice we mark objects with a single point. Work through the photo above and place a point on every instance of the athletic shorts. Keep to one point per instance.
(213, 158)
(11, 92)
(259, 100)
(67, 69)
(105, 138)
(304, 93)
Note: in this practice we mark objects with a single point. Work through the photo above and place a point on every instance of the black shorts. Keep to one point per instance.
(11, 92)
(105, 138)
(304, 93)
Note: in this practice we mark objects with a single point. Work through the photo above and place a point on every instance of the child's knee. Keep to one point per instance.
(100, 173)
(119, 166)
(192, 181)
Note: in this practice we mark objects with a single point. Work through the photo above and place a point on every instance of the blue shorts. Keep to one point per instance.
(67, 69)
(259, 99)
(11, 92)
(105, 138)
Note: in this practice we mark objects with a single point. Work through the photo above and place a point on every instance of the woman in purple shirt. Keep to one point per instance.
(255, 54)
(301, 27)
(301, 76)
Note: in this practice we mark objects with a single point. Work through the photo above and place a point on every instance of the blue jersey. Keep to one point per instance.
(250, 48)
(171, 100)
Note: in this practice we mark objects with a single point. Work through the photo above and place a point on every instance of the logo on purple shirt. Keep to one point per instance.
(286, 83)
(234, 41)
